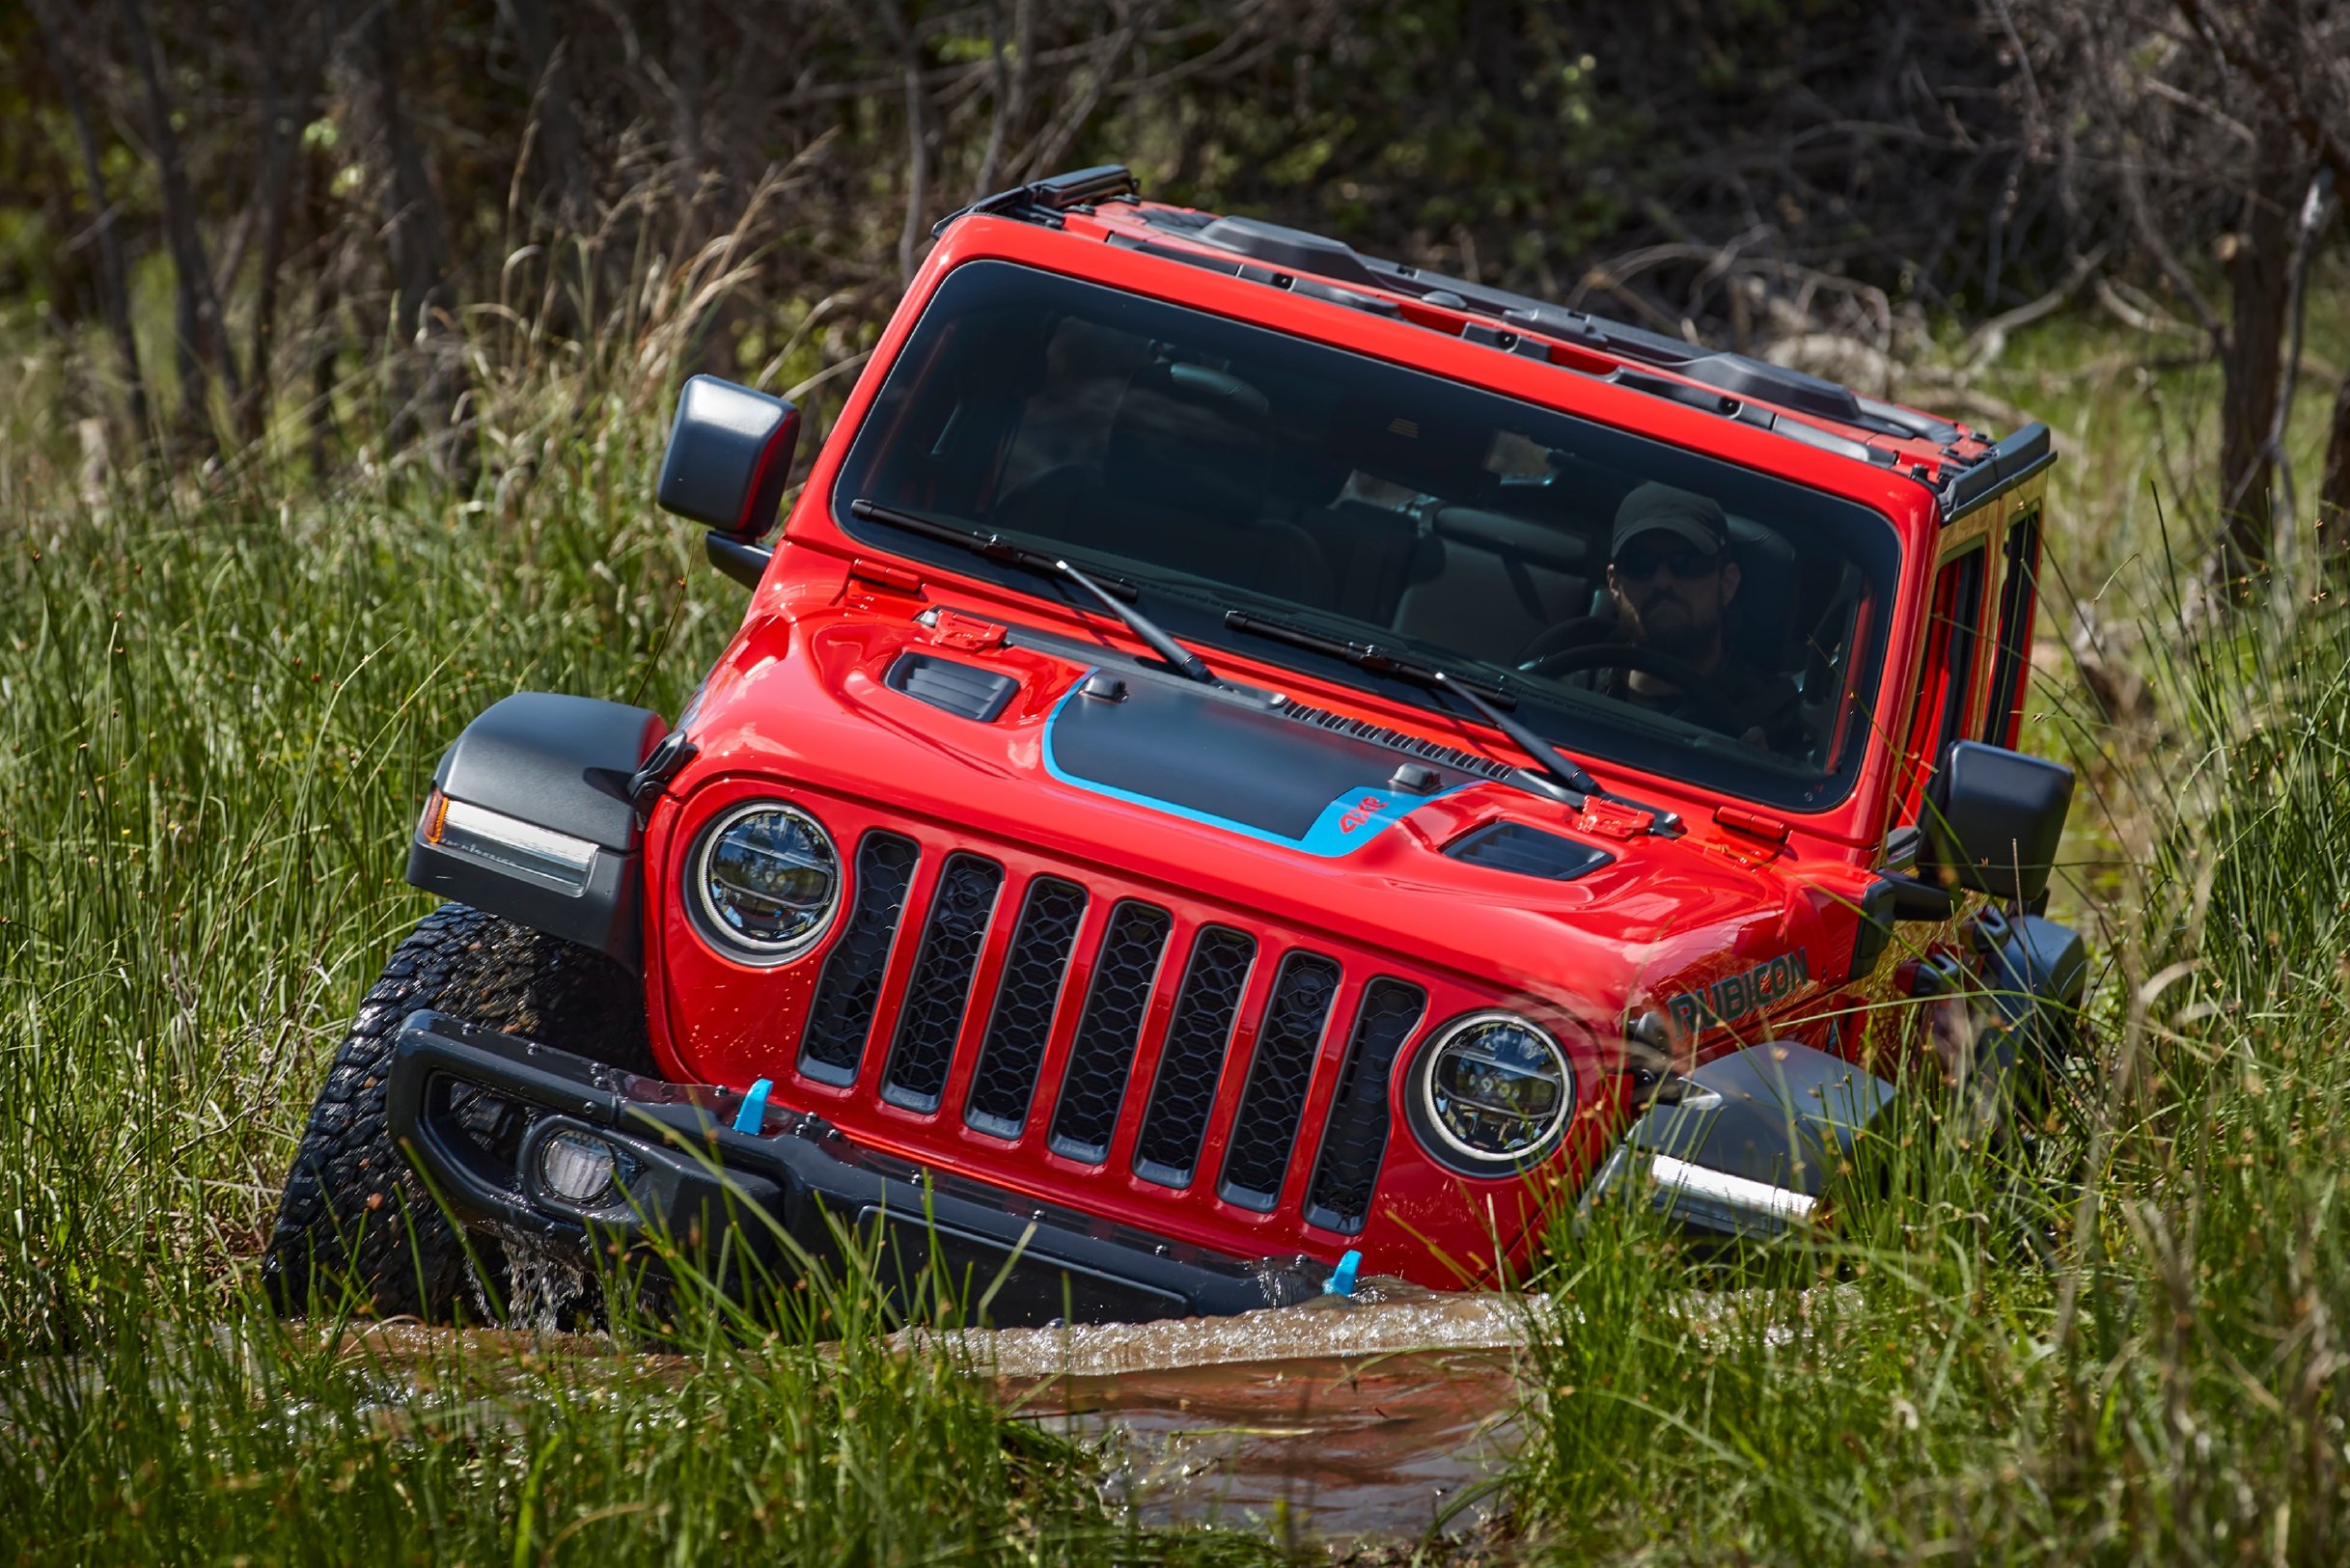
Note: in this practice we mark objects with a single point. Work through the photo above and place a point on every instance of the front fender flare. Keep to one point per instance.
(530, 819)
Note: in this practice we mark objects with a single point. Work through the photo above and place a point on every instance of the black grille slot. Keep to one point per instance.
(1024, 1005)
(1355, 1141)
(940, 987)
(850, 986)
(1183, 1092)
(1265, 1128)
(1101, 1057)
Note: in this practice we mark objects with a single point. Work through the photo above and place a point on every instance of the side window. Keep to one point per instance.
(1947, 675)
(2011, 659)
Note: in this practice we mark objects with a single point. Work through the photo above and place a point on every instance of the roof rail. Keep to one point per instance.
(1051, 195)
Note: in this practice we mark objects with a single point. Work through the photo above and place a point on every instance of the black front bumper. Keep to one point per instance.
(474, 1109)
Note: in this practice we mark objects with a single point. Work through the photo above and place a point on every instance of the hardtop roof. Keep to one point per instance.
(1963, 467)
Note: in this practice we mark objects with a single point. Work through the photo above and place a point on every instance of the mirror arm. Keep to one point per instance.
(738, 559)
(1913, 898)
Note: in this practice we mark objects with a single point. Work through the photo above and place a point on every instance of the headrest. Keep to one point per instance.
(1189, 433)
(1414, 446)
(1513, 539)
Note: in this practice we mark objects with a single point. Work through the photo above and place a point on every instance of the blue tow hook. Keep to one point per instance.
(1342, 1281)
(752, 1119)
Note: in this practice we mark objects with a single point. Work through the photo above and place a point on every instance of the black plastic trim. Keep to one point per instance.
(562, 763)
(1780, 1113)
(738, 559)
(2007, 465)
(1515, 848)
(775, 1201)
(964, 690)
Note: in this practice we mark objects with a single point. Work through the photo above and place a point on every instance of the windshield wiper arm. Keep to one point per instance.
(1112, 592)
(1385, 661)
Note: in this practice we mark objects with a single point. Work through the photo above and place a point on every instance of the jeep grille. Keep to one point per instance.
(1095, 983)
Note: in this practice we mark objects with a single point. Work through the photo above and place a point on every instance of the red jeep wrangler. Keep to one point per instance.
(1246, 761)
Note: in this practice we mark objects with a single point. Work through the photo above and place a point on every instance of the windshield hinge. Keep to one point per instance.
(880, 574)
(1754, 824)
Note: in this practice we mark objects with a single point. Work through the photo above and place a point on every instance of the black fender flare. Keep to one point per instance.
(530, 817)
(1748, 1142)
(2034, 974)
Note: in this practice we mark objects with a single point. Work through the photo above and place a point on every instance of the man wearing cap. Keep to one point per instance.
(1673, 578)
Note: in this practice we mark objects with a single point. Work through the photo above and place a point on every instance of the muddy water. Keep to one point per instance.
(1342, 1421)
(1338, 1421)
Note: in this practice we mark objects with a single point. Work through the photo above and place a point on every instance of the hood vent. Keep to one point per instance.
(1509, 846)
(963, 690)
(1451, 757)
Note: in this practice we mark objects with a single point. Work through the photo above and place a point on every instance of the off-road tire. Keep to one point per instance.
(355, 1212)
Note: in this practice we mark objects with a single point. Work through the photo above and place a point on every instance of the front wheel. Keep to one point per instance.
(355, 1215)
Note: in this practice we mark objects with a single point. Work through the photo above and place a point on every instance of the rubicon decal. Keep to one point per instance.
(1730, 999)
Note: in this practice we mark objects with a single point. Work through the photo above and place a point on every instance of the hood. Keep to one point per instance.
(1267, 803)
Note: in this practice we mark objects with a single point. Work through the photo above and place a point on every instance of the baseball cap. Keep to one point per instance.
(1684, 515)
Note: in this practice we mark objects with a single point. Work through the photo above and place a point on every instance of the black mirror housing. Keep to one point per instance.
(1993, 820)
(730, 453)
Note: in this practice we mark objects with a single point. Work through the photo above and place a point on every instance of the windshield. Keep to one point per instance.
(1641, 603)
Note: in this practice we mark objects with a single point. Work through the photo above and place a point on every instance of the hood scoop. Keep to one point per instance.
(952, 686)
(1232, 759)
(1510, 846)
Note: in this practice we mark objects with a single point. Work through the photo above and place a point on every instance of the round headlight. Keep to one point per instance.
(765, 882)
(1491, 1093)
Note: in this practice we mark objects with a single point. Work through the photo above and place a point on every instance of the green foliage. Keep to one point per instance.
(2133, 1353)
(217, 715)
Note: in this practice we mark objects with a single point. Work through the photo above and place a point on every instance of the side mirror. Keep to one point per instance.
(730, 452)
(1993, 818)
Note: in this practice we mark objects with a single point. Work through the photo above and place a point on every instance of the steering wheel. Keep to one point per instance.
(1702, 705)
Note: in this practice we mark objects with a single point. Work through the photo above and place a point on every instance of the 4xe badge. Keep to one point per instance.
(1732, 998)
(1364, 810)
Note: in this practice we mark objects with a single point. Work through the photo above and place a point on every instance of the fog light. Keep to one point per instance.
(577, 1169)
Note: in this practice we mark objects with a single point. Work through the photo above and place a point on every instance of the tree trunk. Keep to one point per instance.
(113, 292)
(2334, 489)
(2259, 283)
(283, 117)
(426, 363)
(202, 337)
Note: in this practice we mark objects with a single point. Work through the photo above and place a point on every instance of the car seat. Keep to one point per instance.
(1488, 584)
(1181, 483)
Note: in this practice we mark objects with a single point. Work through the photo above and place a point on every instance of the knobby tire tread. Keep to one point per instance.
(354, 1209)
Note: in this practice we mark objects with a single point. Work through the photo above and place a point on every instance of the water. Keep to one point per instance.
(1337, 1420)
(1340, 1419)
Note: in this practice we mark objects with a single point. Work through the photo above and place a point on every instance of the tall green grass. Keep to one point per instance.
(2134, 1354)
(220, 697)
(218, 709)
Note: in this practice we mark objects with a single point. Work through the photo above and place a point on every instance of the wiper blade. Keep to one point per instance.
(1385, 661)
(1113, 592)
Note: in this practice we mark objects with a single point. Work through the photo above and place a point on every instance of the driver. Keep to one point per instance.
(1672, 580)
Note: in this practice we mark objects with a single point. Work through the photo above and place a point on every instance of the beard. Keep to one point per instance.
(1670, 627)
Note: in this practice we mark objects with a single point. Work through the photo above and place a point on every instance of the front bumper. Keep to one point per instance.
(475, 1109)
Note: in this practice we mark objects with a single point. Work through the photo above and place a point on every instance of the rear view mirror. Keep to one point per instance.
(730, 452)
(1993, 818)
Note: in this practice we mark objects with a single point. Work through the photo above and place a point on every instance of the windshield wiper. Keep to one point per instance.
(1384, 661)
(1113, 592)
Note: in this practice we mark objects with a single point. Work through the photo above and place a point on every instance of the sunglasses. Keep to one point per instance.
(1683, 560)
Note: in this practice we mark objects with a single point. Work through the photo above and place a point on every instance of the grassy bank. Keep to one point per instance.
(219, 701)
(2143, 1362)
(215, 715)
